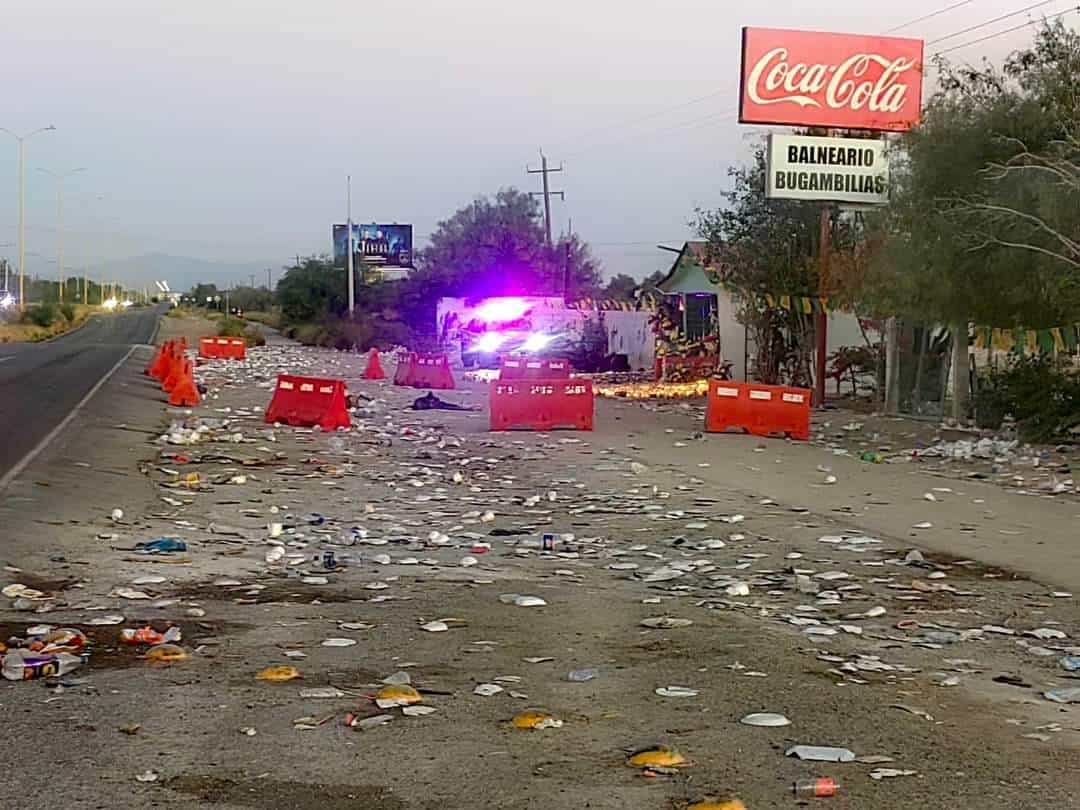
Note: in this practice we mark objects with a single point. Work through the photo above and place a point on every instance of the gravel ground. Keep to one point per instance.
(653, 520)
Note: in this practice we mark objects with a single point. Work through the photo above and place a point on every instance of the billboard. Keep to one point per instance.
(848, 81)
(379, 244)
(850, 170)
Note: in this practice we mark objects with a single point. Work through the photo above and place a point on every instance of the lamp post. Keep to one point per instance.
(59, 178)
(21, 139)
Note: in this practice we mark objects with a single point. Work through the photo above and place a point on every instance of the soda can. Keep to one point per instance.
(328, 560)
(547, 542)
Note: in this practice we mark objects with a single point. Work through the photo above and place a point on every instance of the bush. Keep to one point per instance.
(68, 311)
(43, 314)
(231, 327)
(1040, 393)
(234, 327)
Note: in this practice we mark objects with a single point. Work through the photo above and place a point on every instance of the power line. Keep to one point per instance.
(1006, 31)
(694, 123)
(930, 16)
(971, 28)
(646, 117)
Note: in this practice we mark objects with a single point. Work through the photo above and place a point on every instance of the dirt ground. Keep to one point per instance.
(917, 663)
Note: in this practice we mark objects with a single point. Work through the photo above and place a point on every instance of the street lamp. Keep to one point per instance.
(22, 203)
(59, 178)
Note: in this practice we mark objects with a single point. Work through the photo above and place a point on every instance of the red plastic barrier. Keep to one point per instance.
(542, 404)
(432, 371)
(309, 401)
(403, 374)
(762, 410)
(422, 370)
(221, 347)
(525, 368)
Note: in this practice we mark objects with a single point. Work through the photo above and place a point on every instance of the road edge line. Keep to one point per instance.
(55, 338)
(9, 477)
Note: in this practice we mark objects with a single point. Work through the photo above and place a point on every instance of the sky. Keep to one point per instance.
(224, 130)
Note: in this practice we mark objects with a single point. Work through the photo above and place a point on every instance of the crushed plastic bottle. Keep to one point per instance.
(28, 666)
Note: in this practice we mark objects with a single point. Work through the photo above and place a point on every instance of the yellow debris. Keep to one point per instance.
(166, 654)
(717, 804)
(397, 695)
(535, 719)
(278, 674)
(659, 757)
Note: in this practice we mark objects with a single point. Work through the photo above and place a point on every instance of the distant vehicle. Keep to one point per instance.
(488, 348)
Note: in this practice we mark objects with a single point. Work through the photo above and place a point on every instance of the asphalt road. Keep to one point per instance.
(40, 383)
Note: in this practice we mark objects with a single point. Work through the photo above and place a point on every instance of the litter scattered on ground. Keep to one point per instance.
(817, 753)
(765, 720)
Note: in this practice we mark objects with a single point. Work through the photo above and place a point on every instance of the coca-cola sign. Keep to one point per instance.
(847, 81)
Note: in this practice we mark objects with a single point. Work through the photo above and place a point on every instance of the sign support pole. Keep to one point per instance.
(821, 327)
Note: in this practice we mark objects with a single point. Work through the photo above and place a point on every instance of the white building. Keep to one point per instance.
(701, 300)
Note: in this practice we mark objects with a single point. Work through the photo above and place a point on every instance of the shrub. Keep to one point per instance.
(68, 311)
(42, 314)
(231, 327)
(1040, 393)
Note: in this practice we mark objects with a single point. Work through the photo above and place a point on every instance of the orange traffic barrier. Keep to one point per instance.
(185, 393)
(542, 404)
(307, 402)
(524, 368)
(421, 370)
(406, 362)
(374, 370)
(762, 410)
(223, 348)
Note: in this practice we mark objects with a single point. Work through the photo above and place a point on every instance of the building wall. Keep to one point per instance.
(843, 327)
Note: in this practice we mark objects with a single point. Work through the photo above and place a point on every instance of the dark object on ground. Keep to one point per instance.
(430, 402)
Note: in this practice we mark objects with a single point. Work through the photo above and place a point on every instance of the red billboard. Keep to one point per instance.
(847, 81)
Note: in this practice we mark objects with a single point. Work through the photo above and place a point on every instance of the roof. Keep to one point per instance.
(696, 254)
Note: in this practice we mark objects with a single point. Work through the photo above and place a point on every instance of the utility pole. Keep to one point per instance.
(268, 285)
(567, 259)
(547, 193)
(253, 281)
(59, 178)
(349, 241)
(22, 205)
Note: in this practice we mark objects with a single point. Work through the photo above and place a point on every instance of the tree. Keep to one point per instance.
(202, 293)
(620, 288)
(313, 290)
(772, 247)
(495, 246)
(966, 237)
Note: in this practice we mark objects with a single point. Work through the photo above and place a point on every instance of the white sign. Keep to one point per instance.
(850, 170)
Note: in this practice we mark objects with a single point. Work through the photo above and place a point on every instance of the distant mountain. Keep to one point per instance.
(184, 272)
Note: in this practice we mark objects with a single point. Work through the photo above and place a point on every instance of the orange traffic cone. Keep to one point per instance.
(157, 368)
(149, 370)
(374, 370)
(176, 368)
(185, 393)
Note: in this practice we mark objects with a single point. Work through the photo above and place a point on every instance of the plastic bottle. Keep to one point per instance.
(27, 666)
(815, 788)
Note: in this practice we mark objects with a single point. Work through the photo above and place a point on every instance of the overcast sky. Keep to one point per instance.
(223, 129)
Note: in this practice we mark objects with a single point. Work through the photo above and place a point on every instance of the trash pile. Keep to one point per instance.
(44, 652)
(425, 494)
